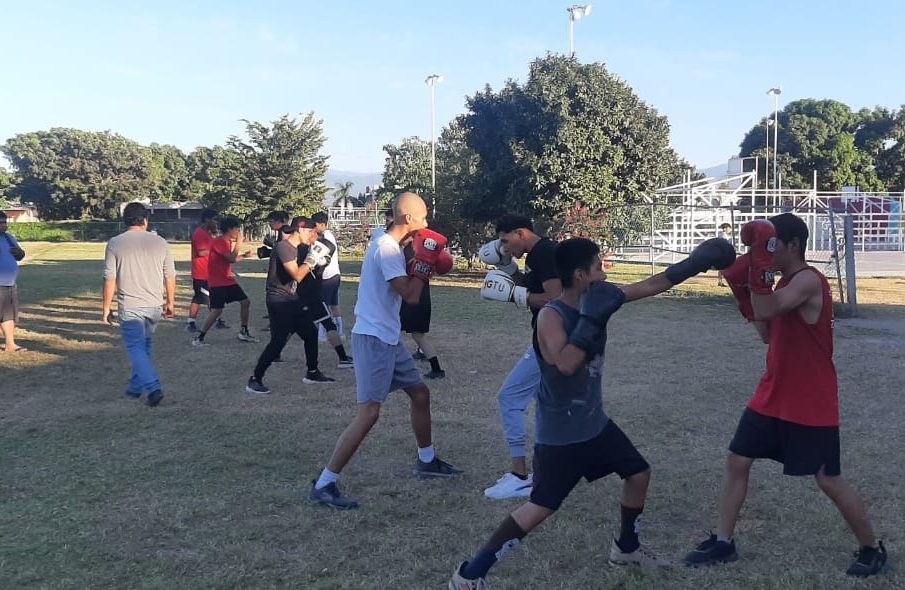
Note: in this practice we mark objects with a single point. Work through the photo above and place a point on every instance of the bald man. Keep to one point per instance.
(382, 362)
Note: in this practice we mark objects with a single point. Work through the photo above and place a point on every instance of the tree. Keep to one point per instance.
(891, 159)
(342, 190)
(169, 173)
(6, 185)
(214, 177)
(283, 168)
(822, 135)
(69, 173)
(408, 167)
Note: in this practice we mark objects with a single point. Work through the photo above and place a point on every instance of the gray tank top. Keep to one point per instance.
(569, 409)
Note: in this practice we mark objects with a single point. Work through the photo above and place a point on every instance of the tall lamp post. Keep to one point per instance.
(432, 81)
(767, 156)
(775, 92)
(576, 11)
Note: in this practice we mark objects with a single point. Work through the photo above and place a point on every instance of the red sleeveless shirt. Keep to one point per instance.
(800, 383)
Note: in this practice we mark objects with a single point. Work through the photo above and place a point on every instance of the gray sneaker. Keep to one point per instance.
(329, 495)
(346, 363)
(436, 468)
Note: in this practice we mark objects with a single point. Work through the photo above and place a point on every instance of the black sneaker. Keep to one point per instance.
(868, 561)
(256, 387)
(154, 398)
(435, 468)
(317, 377)
(221, 324)
(419, 356)
(132, 394)
(346, 363)
(435, 374)
(279, 359)
(711, 552)
(191, 327)
(329, 495)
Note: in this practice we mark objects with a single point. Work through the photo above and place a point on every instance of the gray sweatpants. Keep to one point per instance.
(517, 391)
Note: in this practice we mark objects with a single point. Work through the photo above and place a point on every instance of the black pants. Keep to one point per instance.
(286, 319)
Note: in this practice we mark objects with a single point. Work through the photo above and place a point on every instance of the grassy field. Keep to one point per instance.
(207, 491)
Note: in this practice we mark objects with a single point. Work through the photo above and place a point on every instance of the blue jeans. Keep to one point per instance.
(137, 327)
(517, 391)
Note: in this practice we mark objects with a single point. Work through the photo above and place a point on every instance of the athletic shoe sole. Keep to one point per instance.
(307, 381)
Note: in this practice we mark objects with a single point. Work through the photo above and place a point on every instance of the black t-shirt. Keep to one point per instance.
(310, 289)
(540, 266)
(280, 287)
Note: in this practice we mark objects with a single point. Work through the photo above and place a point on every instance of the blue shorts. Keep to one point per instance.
(381, 368)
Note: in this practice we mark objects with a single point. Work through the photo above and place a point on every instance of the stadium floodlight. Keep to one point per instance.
(432, 81)
(775, 92)
(576, 12)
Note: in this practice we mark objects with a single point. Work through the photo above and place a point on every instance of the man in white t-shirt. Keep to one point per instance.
(382, 362)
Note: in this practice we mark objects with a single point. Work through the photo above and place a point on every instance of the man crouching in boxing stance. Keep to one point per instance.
(574, 437)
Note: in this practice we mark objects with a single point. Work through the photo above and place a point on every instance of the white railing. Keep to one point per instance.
(355, 216)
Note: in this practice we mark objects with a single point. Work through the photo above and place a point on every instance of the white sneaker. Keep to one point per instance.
(198, 342)
(510, 486)
(246, 337)
(641, 557)
(459, 583)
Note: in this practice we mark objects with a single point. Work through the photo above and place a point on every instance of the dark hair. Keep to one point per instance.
(574, 254)
(2, 214)
(296, 224)
(388, 212)
(208, 214)
(725, 225)
(278, 216)
(320, 217)
(229, 222)
(788, 227)
(135, 214)
(511, 222)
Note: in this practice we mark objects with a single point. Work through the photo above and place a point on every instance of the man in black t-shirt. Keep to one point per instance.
(539, 284)
(286, 309)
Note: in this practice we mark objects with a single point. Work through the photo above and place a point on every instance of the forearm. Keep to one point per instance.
(412, 292)
(108, 292)
(570, 359)
(170, 286)
(538, 300)
(647, 288)
(764, 305)
(763, 330)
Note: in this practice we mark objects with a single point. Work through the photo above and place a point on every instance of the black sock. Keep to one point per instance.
(507, 536)
(245, 328)
(519, 475)
(435, 364)
(628, 535)
(201, 336)
(341, 352)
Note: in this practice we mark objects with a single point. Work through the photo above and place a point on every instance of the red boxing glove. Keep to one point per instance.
(426, 247)
(444, 263)
(760, 236)
(736, 276)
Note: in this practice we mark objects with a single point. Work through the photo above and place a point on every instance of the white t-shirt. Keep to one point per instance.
(377, 309)
(332, 269)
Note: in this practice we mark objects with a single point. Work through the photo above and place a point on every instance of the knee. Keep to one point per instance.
(369, 413)
(737, 466)
(828, 484)
(639, 479)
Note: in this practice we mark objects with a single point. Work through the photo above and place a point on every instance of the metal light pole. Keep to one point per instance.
(432, 81)
(576, 11)
(775, 92)
(767, 157)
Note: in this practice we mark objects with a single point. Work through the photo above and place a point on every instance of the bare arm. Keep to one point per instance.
(647, 288)
(552, 290)
(107, 301)
(803, 287)
(409, 288)
(763, 329)
(296, 271)
(554, 345)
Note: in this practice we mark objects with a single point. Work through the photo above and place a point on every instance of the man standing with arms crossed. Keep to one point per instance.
(382, 362)
(793, 416)
(138, 266)
(542, 284)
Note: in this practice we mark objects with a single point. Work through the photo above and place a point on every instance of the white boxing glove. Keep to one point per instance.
(318, 255)
(499, 286)
(495, 253)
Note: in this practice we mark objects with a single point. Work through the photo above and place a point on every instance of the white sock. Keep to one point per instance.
(327, 477)
(426, 455)
(338, 320)
(724, 539)
(190, 321)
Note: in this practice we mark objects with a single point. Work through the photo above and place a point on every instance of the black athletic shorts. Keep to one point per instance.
(330, 290)
(558, 468)
(220, 296)
(202, 294)
(802, 450)
(417, 318)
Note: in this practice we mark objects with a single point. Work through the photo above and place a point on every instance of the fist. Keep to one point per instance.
(495, 253)
(760, 236)
(444, 263)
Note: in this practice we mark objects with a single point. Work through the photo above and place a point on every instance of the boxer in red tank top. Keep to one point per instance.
(793, 416)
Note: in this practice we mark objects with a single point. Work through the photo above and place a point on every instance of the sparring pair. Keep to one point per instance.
(382, 362)
(793, 416)
(202, 238)
(294, 301)
(574, 437)
(530, 291)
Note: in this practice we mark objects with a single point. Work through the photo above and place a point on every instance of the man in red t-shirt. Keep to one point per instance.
(202, 238)
(224, 251)
(793, 416)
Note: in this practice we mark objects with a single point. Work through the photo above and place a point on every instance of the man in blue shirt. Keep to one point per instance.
(10, 255)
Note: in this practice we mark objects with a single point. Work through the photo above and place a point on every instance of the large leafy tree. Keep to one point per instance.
(891, 159)
(408, 167)
(169, 173)
(69, 173)
(572, 135)
(826, 136)
(282, 166)
(6, 185)
(215, 175)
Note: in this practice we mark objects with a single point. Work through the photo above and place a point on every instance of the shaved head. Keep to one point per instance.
(409, 203)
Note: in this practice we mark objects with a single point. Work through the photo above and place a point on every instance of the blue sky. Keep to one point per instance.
(185, 73)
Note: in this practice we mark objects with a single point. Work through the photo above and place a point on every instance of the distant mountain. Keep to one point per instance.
(360, 180)
(717, 171)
